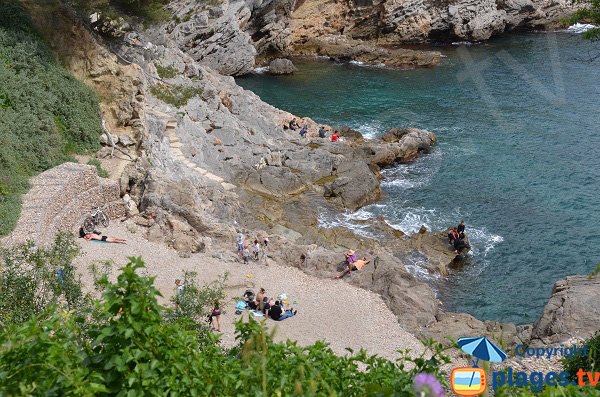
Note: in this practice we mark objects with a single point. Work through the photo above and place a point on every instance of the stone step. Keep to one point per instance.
(176, 145)
(201, 170)
(228, 186)
(213, 177)
(171, 124)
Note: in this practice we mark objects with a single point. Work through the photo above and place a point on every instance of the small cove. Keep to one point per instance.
(518, 157)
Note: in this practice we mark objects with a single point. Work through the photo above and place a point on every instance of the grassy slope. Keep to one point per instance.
(46, 115)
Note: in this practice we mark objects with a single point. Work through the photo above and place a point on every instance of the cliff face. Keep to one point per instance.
(397, 21)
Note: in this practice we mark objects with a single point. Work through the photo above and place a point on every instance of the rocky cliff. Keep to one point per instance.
(211, 158)
(395, 21)
(232, 36)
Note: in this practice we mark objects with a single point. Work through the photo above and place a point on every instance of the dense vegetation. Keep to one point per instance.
(148, 10)
(128, 344)
(588, 363)
(45, 113)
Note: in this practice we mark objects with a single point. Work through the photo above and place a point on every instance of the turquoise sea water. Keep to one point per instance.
(518, 158)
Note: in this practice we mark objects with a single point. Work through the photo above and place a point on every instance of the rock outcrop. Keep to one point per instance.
(281, 66)
(571, 312)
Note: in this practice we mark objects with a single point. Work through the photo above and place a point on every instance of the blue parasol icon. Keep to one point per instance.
(482, 348)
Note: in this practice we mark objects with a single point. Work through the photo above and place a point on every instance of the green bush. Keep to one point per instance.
(130, 346)
(46, 115)
(589, 363)
(166, 72)
(102, 173)
(177, 96)
(33, 279)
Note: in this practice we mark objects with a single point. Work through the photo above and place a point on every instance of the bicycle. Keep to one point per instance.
(97, 217)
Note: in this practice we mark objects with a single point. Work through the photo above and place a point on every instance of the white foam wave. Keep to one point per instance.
(466, 43)
(261, 70)
(370, 130)
(579, 28)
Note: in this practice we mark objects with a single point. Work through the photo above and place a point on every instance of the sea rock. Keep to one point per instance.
(281, 66)
(571, 312)
(398, 145)
(343, 49)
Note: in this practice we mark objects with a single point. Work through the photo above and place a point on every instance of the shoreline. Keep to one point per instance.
(192, 161)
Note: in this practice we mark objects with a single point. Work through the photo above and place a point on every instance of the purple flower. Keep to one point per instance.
(426, 385)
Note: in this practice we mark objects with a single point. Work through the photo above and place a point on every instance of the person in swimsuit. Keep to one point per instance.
(99, 237)
(354, 266)
(216, 317)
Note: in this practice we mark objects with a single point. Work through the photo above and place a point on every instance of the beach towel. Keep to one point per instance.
(241, 305)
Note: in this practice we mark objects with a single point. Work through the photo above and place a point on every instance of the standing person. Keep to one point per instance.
(216, 317)
(245, 253)
(179, 288)
(461, 227)
(256, 249)
(265, 244)
(322, 132)
(259, 298)
(240, 242)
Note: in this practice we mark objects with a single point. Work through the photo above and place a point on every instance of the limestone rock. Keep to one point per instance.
(571, 311)
(281, 66)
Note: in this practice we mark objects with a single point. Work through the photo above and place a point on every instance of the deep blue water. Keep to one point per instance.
(518, 157)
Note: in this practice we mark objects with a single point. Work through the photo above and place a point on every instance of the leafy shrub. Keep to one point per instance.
(129, 347)
(589, 363)
(151, 11)
(32, 279)
(166, 72)
(45, 113)
(177, 96)
(102, 173)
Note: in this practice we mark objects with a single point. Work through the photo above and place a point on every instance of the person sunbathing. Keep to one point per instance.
(354, 266)
(99, 237)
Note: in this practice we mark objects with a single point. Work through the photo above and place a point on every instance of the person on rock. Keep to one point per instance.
(453, 235)
(100, 237)
(322, 132)
(294, 125)
(278, 314)
(460, 244)
(335, 137)
(350, 257)
(266, 306)
(215, 317)
(461, 227)
(240, 242)
(259, 298)
(354, 266)
(304, 131)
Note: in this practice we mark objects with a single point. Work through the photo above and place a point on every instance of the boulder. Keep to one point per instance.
(573, 311)
(281, 66)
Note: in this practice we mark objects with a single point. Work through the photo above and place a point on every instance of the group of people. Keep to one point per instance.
(352, 264)
(304, 131)
(269, 307)
(243, 248)
(458, 239)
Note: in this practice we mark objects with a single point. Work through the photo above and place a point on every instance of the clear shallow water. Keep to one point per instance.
(518, 158)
